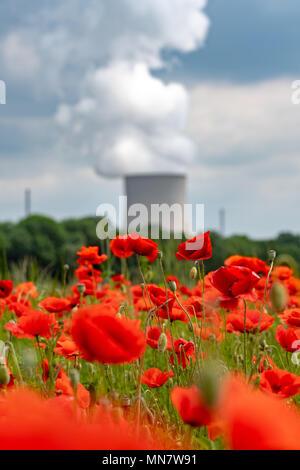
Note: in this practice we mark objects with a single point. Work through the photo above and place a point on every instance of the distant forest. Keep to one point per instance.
(50, 245)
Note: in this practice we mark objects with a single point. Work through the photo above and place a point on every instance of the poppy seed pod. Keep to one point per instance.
(66, 267)
(209, 382)
(272, 255)
(162, 343)
(74, 377)
(4, 373)
(81, 288)
(172, 285)
(278, 297)
(193, 273)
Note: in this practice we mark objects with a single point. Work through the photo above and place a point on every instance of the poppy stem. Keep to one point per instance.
(13, 353)
(265, 295)
(169, 319)
(245, 337)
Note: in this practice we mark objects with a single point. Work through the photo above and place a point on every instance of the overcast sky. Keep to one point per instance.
(137, 86)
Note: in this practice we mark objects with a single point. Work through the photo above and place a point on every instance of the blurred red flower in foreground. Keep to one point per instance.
(195, 249)
(6, 288)
(190, 406)
(288, 339)
(255, 421)
(103, 337)
(31, 422)
(234, 281)
(32, 324)
(155, 378)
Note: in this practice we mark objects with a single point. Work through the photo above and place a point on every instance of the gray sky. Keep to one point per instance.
(109, 83)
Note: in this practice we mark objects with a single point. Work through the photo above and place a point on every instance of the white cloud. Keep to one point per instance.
(129, 121)
(240, 121)
(100, 55)
(248, 158)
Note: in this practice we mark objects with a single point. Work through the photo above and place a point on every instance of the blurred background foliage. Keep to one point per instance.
(39, 245)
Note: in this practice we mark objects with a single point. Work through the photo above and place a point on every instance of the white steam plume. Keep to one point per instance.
(99, 54)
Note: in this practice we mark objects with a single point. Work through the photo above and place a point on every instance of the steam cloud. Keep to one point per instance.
(104, 53)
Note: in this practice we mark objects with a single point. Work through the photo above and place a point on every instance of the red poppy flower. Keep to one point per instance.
(279, 382)
(288, 339)
(265, 363)
(155, 378)
(282, 273)
(120, 280)
(6, 288)
(105, 338)
(234, 281)
(291, 317)
(26, 289)
(197, 248)
(173, 278)
(55, 304)
(29, 422)
(185, 352)
(143, 247)
(66, 347)
(255, 264)
(63, 386)
(158, 296)
(90, 255)
(88, 273)
(34, 323)
(190, 406)
(153, 336)
(235, 321)
(256, 421)
(90, 288)
(120, 246)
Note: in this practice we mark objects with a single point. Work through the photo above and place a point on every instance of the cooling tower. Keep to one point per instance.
(163, 196)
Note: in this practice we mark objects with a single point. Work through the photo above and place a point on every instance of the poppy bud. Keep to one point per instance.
(148, 275)
(278, 297)
(162, 343)
(190, 327)
(256, 381)
(172, 285)
(208, 382)
(193, 272)
(66, 267)
(74, 377)
(123, 310)
(81, 288)
(4, 373)
(272, 255)
(159, 255)
(262, 344)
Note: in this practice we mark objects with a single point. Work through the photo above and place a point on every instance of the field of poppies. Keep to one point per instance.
(104, 363)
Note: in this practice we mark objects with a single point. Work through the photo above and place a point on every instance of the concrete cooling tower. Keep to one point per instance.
(163, 195)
